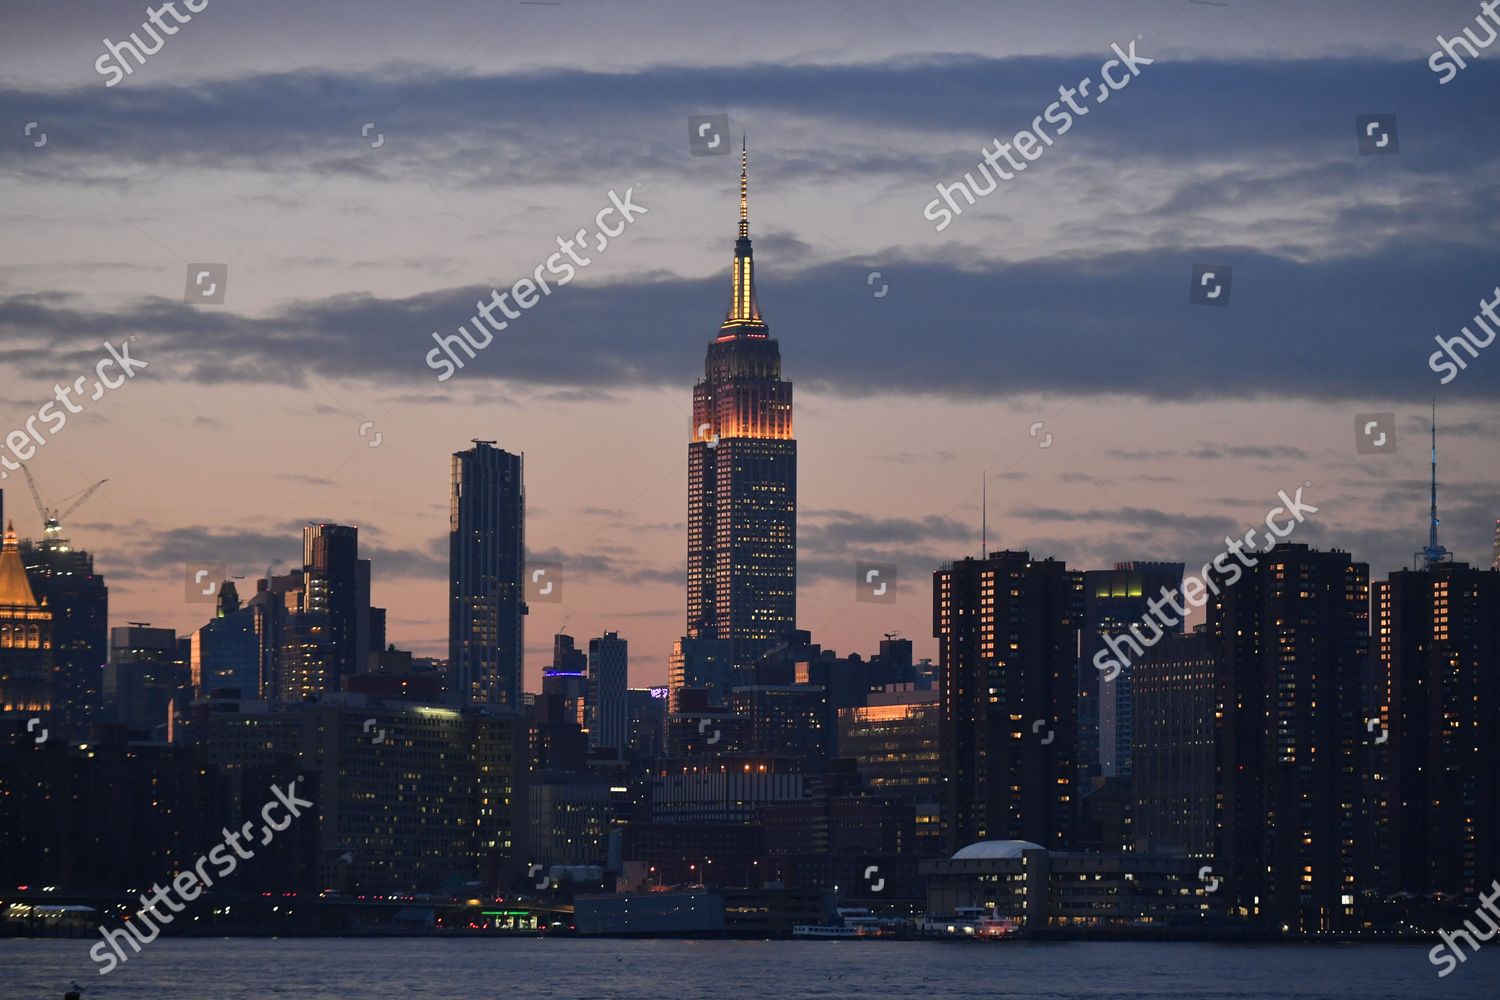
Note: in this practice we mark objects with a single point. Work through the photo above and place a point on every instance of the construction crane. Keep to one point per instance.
(51, 518)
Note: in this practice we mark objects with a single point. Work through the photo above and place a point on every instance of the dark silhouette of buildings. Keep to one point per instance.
(1437, 647)
(486, 556)
(1113, 600)
(147, 668)
(64, 579)
(1007, 629)
(1291, 637)
(609, 710)
(336, 586)
(1173, 802)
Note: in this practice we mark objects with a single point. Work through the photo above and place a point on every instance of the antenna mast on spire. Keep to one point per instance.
(1434, 553)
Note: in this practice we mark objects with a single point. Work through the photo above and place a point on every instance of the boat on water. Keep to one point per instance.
(972, 922)
(849, 922)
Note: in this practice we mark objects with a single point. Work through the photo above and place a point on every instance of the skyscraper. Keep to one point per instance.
(1172, 794)
(486, 557)
(1113, 600)
(1290, 641)
(25, 639)
(609, 707)
(336, 585)
(64, 579)
(742, 477)
(1437, 646)
(1007, 629)
(144, 673)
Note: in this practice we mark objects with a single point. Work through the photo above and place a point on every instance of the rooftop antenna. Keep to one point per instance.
(1434, 553)
(984, 515)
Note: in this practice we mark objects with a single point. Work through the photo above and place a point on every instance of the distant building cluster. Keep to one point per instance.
(1321, 755)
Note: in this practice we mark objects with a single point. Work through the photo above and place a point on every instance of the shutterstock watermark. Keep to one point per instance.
(1447, 359)
(1033, 142)
(121, 67)
(23, 443)
(1448, 68)
(445, 359)
(1488, 910)
(1230, 564)
(190, 883)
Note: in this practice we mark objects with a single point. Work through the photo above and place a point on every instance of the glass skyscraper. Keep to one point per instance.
(486, 556)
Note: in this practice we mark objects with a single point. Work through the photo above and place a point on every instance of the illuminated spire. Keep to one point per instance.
(744, 189)
(743, 309)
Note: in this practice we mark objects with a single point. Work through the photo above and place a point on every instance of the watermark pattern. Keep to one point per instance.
(875, 582)
(120, 68)
(1488, 910)
(1229, 564)
(445, 359)
(206, 284)
(1210, 285)
(708, 135)
(1375, 433)
(190, 882)
(21, 444)
(1377, 135)
(1033, 142)
(200, 582)
(1447, 68)
(544, 582)
(41, 139)
(1468, 341)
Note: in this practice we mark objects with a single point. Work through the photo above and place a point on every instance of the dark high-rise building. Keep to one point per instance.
(1173, 686)
(893, 742)
(1291, 639)
(144, 675)
(648, 722)
(703, 665)
(784, 719)
(1437, 653)
(609, 709)
(64, 579)
(335, 587)
(742, 478)
(25, 639)
(567, 679)
(226, 654)
(1113, 600)
(1007, 629)
(486, 557)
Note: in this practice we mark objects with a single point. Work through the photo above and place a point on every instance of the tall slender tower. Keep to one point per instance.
(486, 556)
(742, 477)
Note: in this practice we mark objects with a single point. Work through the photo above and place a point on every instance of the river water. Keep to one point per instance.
(324, 969)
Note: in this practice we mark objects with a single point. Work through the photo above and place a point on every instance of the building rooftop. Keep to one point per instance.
(990, 850)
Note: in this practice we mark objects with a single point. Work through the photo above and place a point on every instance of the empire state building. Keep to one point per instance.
(742, 478)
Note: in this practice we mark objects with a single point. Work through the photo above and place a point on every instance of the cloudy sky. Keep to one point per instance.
(495, 127)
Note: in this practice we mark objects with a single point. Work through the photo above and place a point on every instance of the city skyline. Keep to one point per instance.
(975, 332)
(407, 537)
